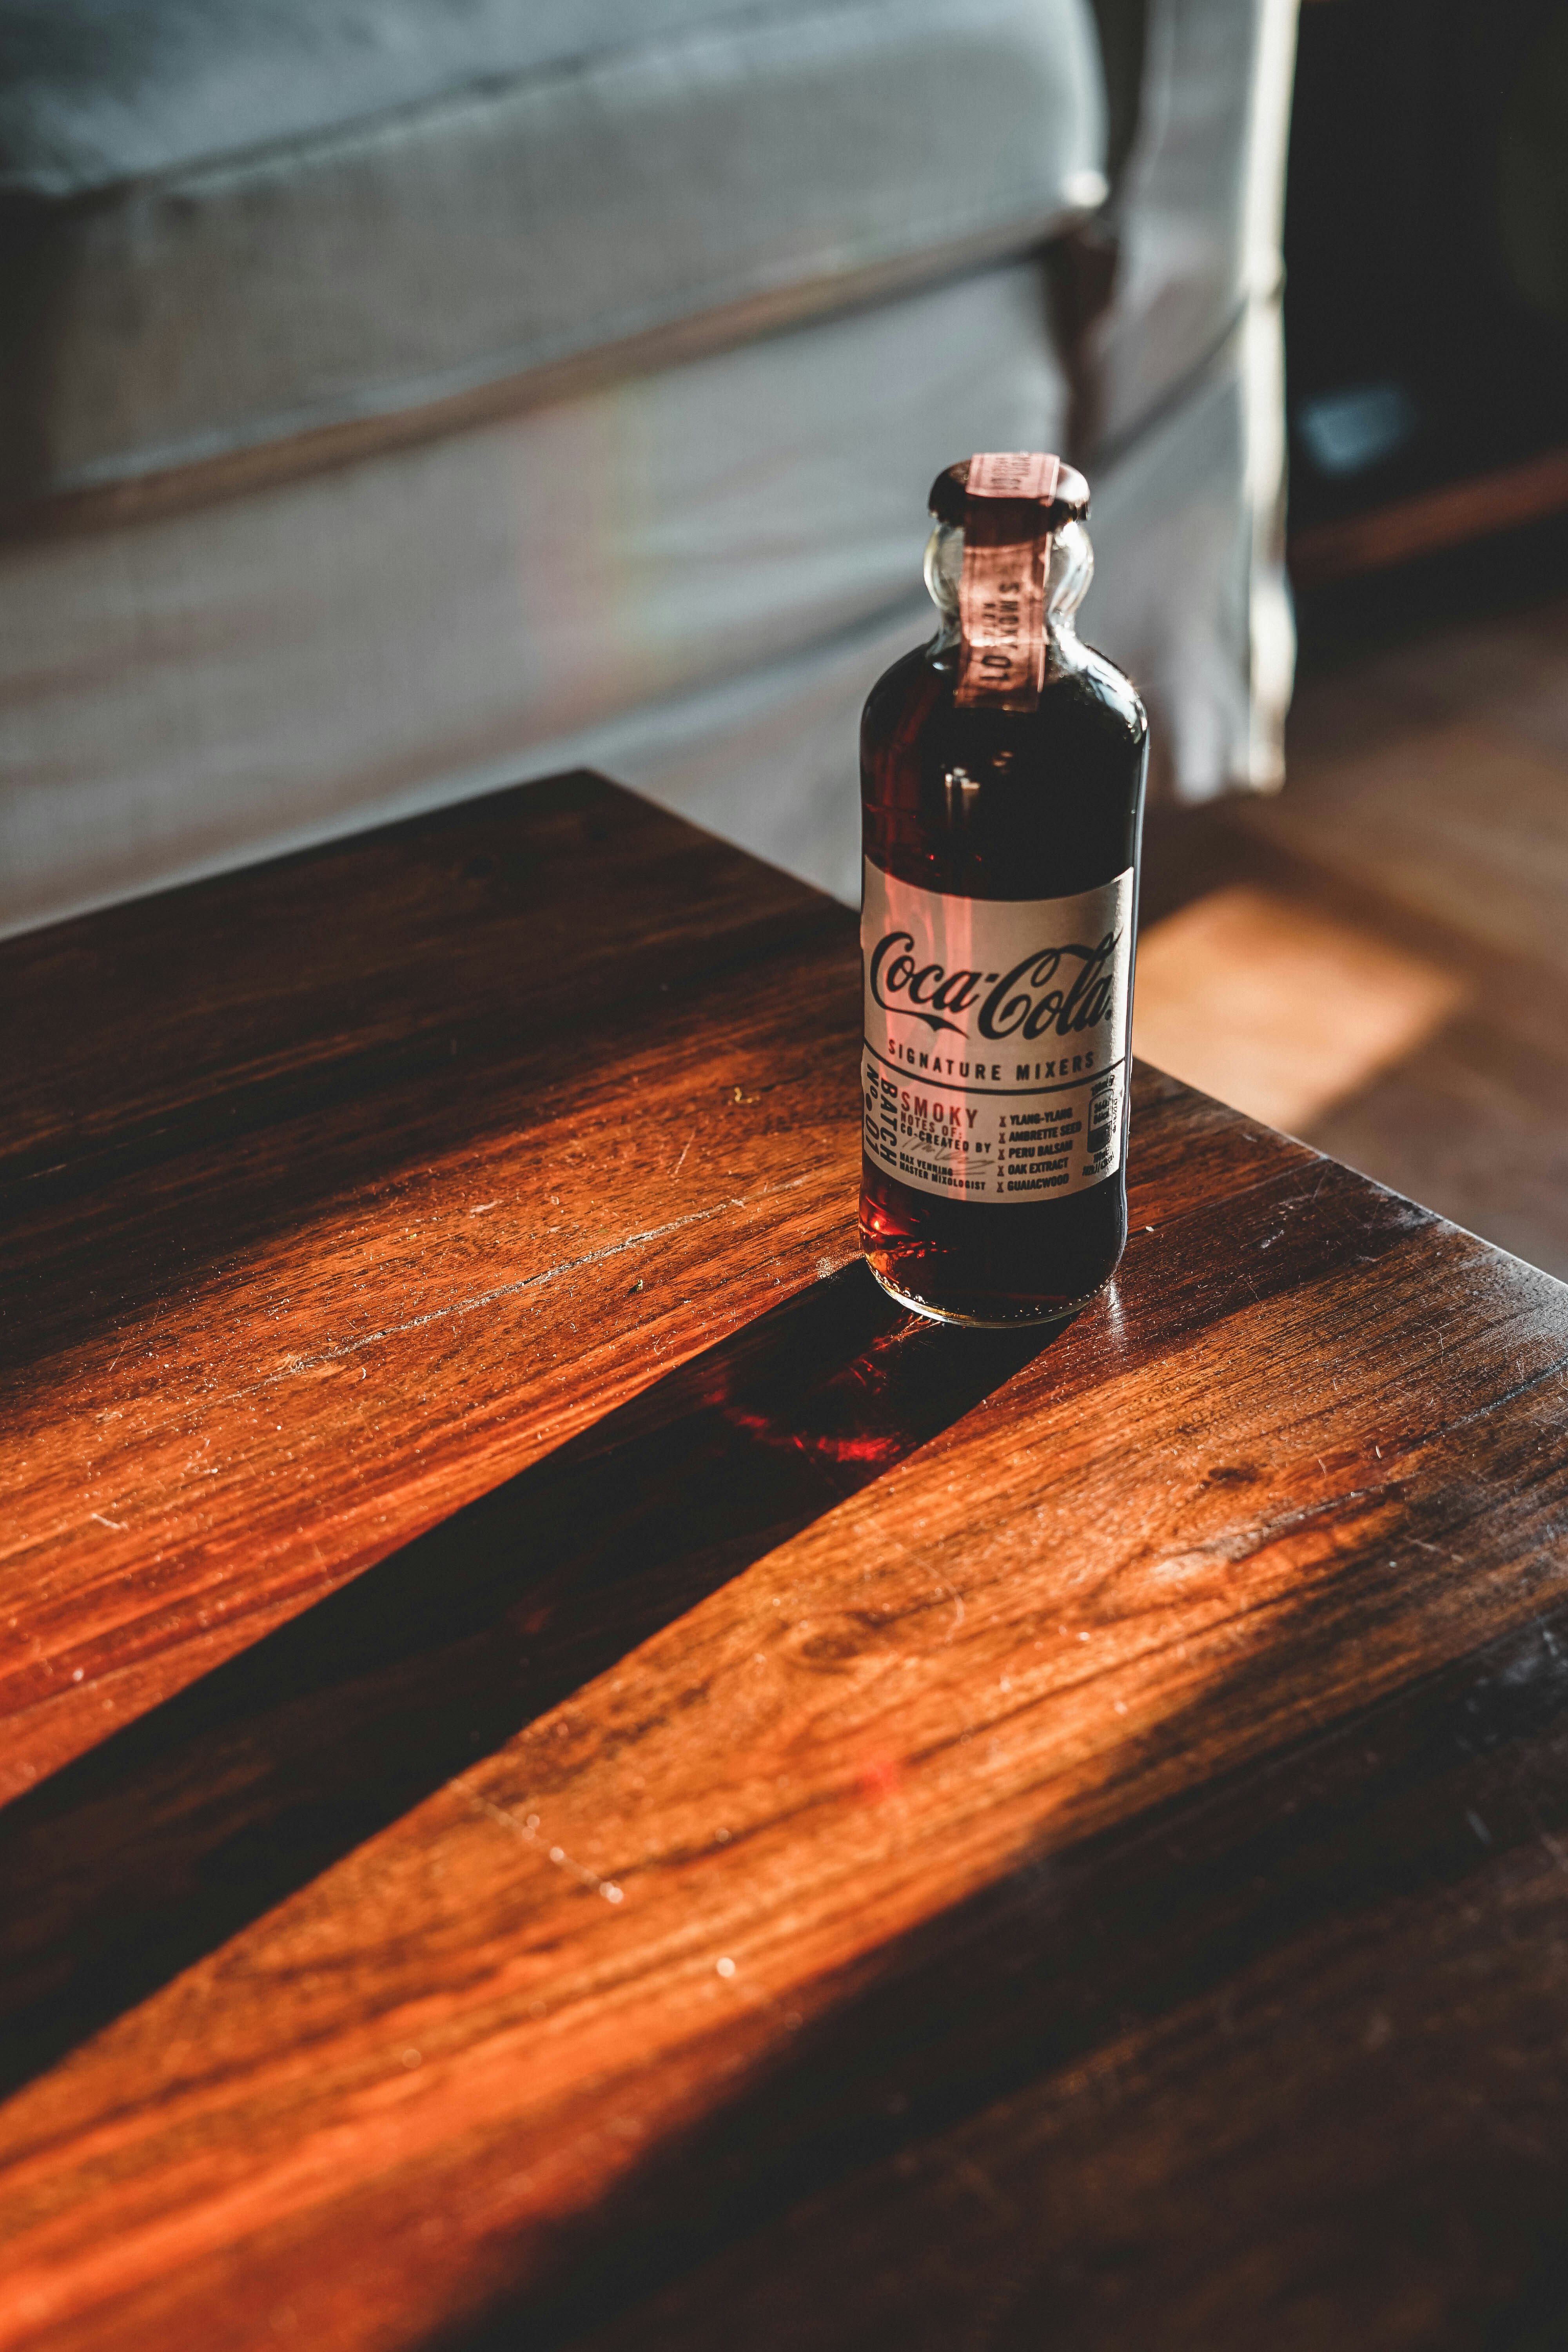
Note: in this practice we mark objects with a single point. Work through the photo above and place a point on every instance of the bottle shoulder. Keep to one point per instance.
(1113, 687)
(1083, 688)
(991, 803)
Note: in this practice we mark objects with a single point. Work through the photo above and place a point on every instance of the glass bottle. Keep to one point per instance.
(1002, 769)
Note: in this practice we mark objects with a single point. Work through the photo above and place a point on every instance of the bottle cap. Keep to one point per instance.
(950, 491)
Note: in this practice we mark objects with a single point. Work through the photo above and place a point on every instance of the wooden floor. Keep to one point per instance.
(1378, 958)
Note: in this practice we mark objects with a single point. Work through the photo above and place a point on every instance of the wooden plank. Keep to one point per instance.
(1499, 500)
(674, 1803)
(1323, 2102)
(1279, 1006)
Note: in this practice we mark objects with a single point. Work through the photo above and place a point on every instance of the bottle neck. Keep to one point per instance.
(1066, 583)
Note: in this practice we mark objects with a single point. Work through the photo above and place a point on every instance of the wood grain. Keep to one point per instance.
(1420, 821)
(1278, 1007)
(713, 1811)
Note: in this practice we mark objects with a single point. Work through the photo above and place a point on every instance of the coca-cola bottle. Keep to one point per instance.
(1002, 769)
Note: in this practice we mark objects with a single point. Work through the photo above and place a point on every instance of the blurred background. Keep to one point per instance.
(1378, 958)
(406, 397)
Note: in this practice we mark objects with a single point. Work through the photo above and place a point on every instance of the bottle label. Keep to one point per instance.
(995, 1058)
(1002, 591)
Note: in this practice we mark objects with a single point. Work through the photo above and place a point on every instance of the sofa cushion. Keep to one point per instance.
(613, 576)
(225, 227)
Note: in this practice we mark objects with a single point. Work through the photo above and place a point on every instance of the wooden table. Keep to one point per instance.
(576, 1778)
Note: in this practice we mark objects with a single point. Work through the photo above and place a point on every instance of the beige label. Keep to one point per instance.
(1002, 591)
(995, 1038)
(1013, 474)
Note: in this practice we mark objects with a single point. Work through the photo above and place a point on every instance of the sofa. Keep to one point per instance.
(404, 398)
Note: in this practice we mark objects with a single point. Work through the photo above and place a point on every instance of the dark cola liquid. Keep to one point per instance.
(989, 803)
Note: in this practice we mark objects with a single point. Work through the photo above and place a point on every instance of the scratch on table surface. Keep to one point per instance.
(527, 1827)
(684, 1149)
(984, 2188)
(119, 1525)
(128, 1336)
(487, 1297)
(504, 1290)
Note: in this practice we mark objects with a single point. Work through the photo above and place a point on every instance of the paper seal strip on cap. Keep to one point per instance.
(1002, 594)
